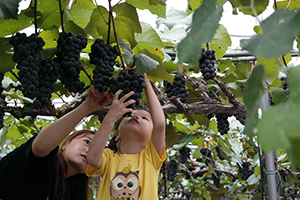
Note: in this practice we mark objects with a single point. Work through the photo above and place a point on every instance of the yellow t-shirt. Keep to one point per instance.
(133, 176)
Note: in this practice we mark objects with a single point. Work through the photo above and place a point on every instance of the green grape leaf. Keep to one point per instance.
(186, 139)
(244, 6)
(252, 99)
(292, 5)
(13, 133)
(16, 96)
(50, 38)
(6, 62)
(144, 63)
(81, 11)
(7, 81)
(275, 40)
(279, 126)
(208, 16)
(253, 179)
(158, 73)
(128, 55)
(174, 17)
(154, 6)
(148, 39)
(279, 96)
(173, 35)
(126, 23)
(9, 9)
(11, 26)
(6, 58)
(272, 67)
(220, 41)
(70, 26)
(50, 13)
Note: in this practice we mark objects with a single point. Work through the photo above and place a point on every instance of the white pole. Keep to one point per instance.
(270, 163)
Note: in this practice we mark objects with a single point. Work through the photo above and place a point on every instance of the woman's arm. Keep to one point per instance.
(116, 111)
(158, 117)
(50, 137)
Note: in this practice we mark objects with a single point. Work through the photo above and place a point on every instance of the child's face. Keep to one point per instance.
(139, 122)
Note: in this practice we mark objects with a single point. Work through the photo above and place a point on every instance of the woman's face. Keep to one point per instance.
(75, 153)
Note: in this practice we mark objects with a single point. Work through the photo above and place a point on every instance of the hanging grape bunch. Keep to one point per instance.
(284, 83)
(207, 64)
(245, 171)
(177, 88)
(219, 153)
(216, 179)
(27, 55)
(223, 124)
(128, 81)
(104, 58)
(184, 154)
(171, 170)
(48, 74)
(207, 156)
(70, 46)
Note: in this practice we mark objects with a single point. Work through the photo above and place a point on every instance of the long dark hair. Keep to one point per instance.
(74, 187)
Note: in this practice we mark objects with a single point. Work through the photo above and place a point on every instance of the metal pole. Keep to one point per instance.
(270, 163)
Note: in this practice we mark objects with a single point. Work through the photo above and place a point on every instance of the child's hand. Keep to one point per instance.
(118, 106)
(97, 100)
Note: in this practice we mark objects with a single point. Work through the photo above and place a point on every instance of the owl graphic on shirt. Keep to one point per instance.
(125, 185)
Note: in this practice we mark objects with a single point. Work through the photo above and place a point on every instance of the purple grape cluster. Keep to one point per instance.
(184, 154)
(104, 57)
(70, 46)
(245, 170)
(128, 81)
(172, 168)
(177, 88)
(207, 64)
(48, 74)
(27, 55)
(223, 124)
(206, 152)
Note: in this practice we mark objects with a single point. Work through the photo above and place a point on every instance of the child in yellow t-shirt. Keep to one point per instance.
(131, 173)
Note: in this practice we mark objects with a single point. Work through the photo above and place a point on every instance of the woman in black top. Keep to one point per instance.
(38, 169)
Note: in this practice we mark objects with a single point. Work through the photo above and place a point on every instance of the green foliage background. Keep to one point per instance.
(276, 129)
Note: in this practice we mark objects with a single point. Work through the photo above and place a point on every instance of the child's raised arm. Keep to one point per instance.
(158, 117)
(116, 111)
(50, 137)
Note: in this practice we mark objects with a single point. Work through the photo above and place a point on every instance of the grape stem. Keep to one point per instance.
(61, 16)
(115, 32)
(87, 74)
(35, 16)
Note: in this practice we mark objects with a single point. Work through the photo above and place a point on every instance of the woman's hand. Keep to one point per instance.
(97, 100)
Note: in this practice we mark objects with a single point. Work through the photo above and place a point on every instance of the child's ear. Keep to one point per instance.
(117, 138)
